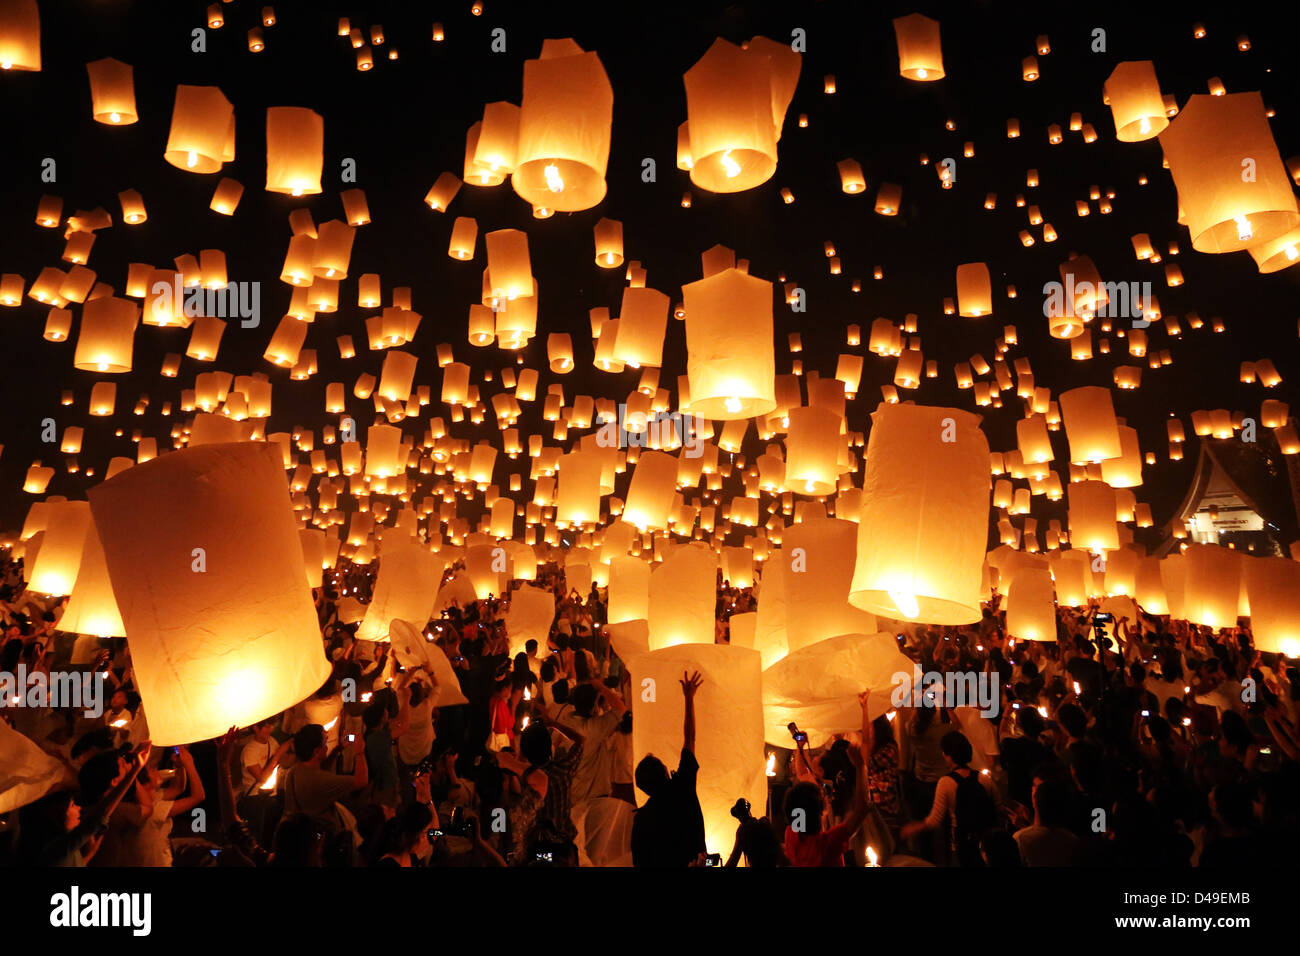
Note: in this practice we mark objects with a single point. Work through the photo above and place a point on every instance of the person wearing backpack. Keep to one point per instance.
(962, 800)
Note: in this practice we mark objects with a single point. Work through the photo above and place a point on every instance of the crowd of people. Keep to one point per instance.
(1140, 742)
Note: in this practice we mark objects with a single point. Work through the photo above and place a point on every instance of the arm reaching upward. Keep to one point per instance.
(690, 684)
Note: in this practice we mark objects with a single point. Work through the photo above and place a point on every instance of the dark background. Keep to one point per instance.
(404, 122)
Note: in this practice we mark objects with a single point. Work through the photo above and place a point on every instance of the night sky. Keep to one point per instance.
(404, 123)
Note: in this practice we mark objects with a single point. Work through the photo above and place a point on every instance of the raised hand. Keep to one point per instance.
(691, 683)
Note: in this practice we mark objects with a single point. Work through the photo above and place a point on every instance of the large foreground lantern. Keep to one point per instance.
(207, 568)
(564, 128)
(1273, 585)
(920, 53)
(1232, 186)
(731, 364)
(405, 589)
(729, 726)
(295, 142)
(629, 590)
(202, 135)
(736, 100)
(683, 592)
(924, 521)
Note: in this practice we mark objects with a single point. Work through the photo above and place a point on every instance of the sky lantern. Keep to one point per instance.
(852, 181)
(816, 561)
(924, 521)
(92, 608)
(405, 588)
(1212, 585)
(1092, 516)
(564, 128)
(729, 726)
(609, 243)
(20, 35)
(1232, 186)
(920, 54)
(650, 493)
(1030, 605)
(106, 339)
(112, 92)
(736, 100)
(202, 135)
(682, 597)
(55, 567)
(206, 565)
(629, 589)
(577, 499)
(1273, 585)
(642, 322)
(495, 145)
(1136, 104)
(974, 290)
(731, 361)
(812, 448)
(1090, 424)
(509, 268)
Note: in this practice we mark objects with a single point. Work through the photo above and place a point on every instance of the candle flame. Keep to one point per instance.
(192, 159)
(114, 117)
(872, 858)
(771, 764)
(1145, 125)
(906, 603)
(730, 165)
(1244, 230)
(732, 404)
(553, 181)
(270, 781)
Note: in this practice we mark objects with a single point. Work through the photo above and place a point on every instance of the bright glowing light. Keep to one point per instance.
(1145, 125)
(1244, 230)
(192, 159)
(270, 781)
(730, 165)
(1042, 711)
(732, 404)
(921, 74)
(553, 181)
(771, 764)
(872, 859)
(114, 118)
(906, 603)
(1291, 253)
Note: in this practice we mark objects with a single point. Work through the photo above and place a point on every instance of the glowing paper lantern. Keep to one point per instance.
(564, 128)
(1090, 424)
(55, 567)
(974, 290)
(735, 104)
(817, 687)
(924, 521)
(650, 494)
(812, 448)
(817, 569)
(642, 322)
(1031, 611)
(920, 54)
(577, 499)
(106, 338)
(529, 617)
(1135, 101)
(202, 135)
(1232, 186)
(1092, 516)
(738, 567)
(729, 748)
(1273, 585)
(629, 590)
(206, 565)
(112, 92)
(1212, 585)
(682, 595)
(731, 364)
(405, 589)
(20, 35)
